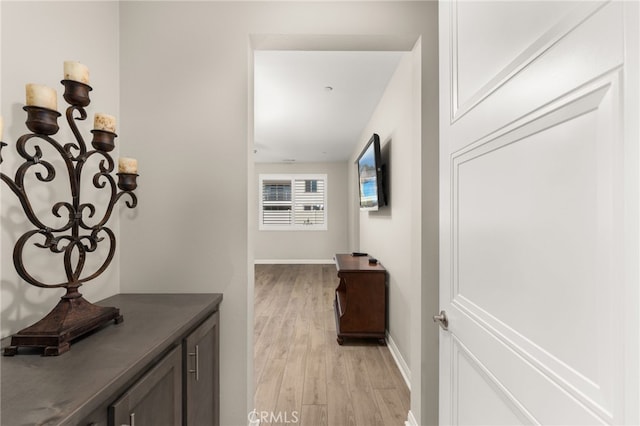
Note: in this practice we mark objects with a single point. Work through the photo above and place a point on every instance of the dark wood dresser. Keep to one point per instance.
(160, 366)
(361, 298)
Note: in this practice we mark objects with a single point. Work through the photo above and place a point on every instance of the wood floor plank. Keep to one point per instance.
(290, 395)
(314, 415)
(267, 344)
(300, 370)
(330, 320)
(268, 386)
(392, 409)
(258, 328)
(315, 379)
(357, 374)
(317, 332)
(340, 411)
(365, 408)
(400, 383)
(379, 375)
(283, 337)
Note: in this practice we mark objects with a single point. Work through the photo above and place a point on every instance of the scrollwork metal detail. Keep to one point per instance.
(83, 232)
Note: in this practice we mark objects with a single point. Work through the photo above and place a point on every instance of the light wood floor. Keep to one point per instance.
(303, 377)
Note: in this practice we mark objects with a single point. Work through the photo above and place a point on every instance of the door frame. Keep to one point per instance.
(424, 338)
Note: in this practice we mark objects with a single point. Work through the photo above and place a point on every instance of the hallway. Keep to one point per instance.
(302, 375)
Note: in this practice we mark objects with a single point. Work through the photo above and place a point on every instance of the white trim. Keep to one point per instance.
(400, 362)
(411, 420)
(294, 262)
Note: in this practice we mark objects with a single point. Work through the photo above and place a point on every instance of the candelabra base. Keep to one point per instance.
(69, 320)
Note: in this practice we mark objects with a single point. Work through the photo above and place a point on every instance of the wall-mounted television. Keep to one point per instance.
(370, 176)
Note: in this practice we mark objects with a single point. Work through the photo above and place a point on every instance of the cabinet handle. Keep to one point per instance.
(195, 371)
(132, 420)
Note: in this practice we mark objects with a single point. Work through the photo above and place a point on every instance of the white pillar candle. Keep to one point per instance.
(76, 71)
(1, 127)
(127, 165)
(104, 122)
(41, 96)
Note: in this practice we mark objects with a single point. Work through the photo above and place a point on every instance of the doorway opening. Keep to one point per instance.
(292, 376)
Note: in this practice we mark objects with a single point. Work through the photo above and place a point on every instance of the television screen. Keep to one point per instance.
(370, 176)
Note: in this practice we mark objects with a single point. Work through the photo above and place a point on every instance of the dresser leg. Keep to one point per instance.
(340, 340)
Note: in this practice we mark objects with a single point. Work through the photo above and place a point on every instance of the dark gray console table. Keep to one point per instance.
(160, 366)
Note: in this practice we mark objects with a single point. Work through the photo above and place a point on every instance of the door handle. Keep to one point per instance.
(442, 320)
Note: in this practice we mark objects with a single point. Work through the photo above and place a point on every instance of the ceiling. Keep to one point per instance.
(312, 106)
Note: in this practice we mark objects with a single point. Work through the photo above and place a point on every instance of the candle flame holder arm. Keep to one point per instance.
(17, 185)
(82, 146)
(73, 316)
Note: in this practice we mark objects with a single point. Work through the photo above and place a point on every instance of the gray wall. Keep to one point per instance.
(189, 113)
(183, 70)
(307, 246)
(37, 37)
(387, 233)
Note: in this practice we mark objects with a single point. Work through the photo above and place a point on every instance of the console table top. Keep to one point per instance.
(348, 262)
(64, 389)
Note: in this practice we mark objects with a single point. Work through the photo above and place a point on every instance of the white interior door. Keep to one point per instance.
(539, 212)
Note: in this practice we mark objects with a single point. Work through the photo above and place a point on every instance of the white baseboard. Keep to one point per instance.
(411, 420)
(400, 362)
(294, 262)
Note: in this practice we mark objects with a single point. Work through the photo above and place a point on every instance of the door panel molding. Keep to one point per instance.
(461, 104)
(516, 379)
(461, 354)
(598, 102)
(539, 213)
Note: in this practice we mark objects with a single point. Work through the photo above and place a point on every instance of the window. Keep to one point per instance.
(310, 185)
(293, 202)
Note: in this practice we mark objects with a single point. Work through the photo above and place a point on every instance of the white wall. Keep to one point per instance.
(37, 37)
(388, 233)
(404, 234)
(307, 246)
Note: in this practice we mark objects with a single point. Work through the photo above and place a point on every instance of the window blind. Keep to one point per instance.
(293, 202)
(276, 202)
(309, 202)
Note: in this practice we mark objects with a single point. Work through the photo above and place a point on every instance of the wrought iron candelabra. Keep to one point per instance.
(73, 316)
